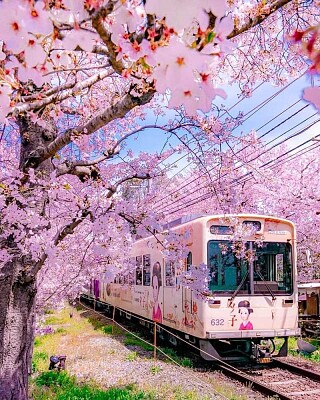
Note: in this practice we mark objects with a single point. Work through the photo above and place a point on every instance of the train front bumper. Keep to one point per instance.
(265, 333)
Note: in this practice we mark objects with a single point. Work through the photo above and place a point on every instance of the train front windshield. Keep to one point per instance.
(250, 268)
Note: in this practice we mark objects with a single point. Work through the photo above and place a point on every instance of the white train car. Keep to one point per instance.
(252, 296)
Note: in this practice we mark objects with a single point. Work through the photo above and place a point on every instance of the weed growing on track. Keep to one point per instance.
(131, 340)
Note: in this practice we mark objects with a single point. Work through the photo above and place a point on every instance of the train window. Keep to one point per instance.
(227, 269)
(273, 267)
(230, 267)
(221, 230)
(255, 225)
(131, 277)
(169, 273)
(131, 270)
(146, 269)
(139, 270)
(189, 260)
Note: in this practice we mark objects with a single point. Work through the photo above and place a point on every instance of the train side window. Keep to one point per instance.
(221, 230)
(139, 270)
(189, 260)
(169, 273)
(254, 225)
(131, 271)
(146, 269)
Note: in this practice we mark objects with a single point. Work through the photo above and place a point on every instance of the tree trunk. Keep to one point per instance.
(17, 304)
(17, 279)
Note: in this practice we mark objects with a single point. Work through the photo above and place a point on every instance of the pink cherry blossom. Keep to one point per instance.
(2, 54)
(5, 92)
(13, 27)
(79, 37)
(38, 18)
(312, 94)
(34, 53)
(178, 18)
(130, 16)
(76, 181)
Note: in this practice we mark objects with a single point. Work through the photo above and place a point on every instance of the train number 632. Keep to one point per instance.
(217, 321)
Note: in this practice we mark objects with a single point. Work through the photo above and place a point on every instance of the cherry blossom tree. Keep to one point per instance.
(308, 44)
(75, 80)
(259, 181)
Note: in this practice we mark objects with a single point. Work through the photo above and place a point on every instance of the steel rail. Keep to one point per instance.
(296, 369)
(259, 386)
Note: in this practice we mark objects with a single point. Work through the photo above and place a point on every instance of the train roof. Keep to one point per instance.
(192, 217)
(188, 218)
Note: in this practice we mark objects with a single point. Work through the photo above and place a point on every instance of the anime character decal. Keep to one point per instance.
(156, 283)
(245, 310)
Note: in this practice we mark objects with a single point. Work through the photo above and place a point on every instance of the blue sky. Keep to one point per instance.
(261, 114)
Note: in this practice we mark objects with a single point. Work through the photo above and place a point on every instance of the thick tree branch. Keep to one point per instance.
(58, 97)
(98, 24)
(112, 190)
(118, 110)
(259, 19)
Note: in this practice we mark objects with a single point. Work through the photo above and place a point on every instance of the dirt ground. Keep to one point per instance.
(93, 356)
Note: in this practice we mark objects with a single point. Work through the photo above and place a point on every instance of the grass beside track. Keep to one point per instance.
(51, 385)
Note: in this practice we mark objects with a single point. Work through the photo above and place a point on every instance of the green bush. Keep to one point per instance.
(56, 379)
(132, 356)
(38, 341)
(55, 320)
(186, 362)
(155, 369)
(89, 393)
(38, 357)
(170, 353)
(131, 340)
(108, 329)
(96, 323)
(60, 386)
(61, 330)
(315, 356)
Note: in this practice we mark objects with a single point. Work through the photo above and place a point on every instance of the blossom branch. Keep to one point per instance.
(112, 189)
(259, 18)
(65, 231)
(58, 97)
(117, 110)
(97, 23)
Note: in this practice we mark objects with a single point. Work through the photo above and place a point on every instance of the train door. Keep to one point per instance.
(157, 292)
(187, 298)
(169, 293)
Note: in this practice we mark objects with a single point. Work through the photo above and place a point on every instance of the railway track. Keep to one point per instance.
(280, 379)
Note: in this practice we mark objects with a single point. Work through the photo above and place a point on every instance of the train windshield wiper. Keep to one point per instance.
(240, 285)
(266, 285)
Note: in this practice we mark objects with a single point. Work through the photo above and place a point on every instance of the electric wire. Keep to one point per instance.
(236, 181)
(252, 159)
(239, 151)
(251, 112)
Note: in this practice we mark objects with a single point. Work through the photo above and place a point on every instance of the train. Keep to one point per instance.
(250, 300)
